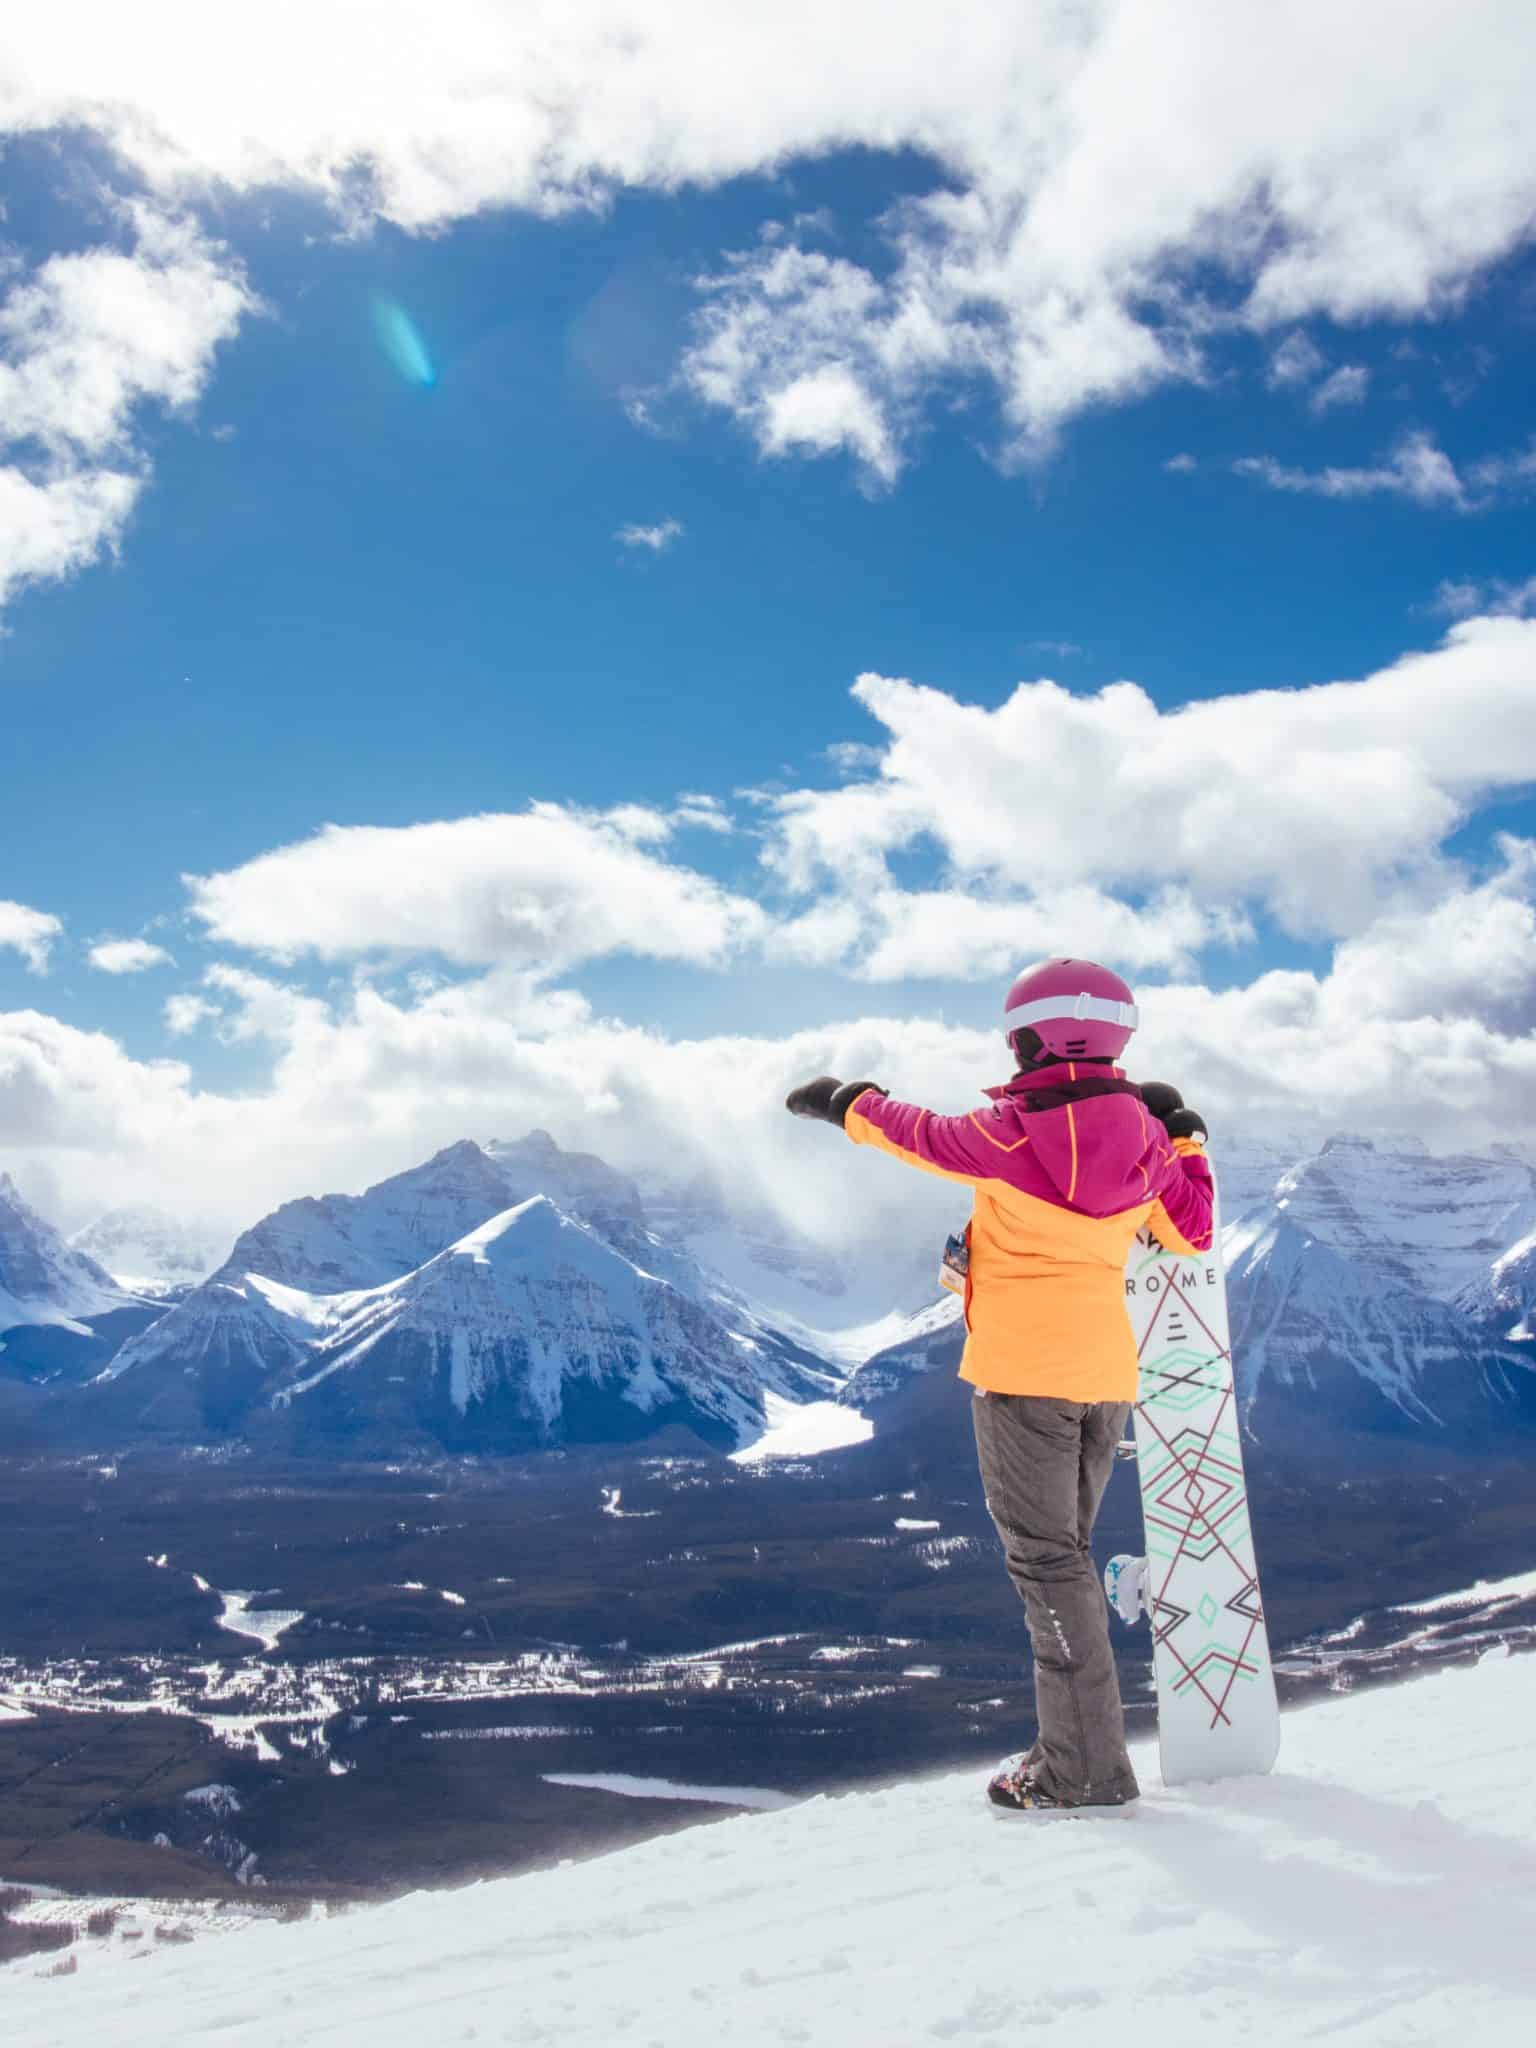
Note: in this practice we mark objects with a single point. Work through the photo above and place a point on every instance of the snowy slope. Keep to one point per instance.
(1505, 1296)
(44, 1283)
(1368, 1891)
(535, 1309)
(1435, 1224)
(1310, 1325)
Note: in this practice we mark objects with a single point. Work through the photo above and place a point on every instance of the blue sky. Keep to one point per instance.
(344, 597)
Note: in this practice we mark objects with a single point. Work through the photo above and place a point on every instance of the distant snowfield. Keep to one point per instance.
(802, 1429)
(1376, 1889)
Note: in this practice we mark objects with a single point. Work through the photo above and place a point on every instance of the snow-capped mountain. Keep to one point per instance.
(149, 1252)
(45, 1283)
(462, 1304)
(529, 1330)
(1504, 1298)
(1320, 1335)
(1435, 1225)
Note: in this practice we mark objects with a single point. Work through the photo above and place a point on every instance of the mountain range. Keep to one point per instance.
(515, 1296)
(497, 1298)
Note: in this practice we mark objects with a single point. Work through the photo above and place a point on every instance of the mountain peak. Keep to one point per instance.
(43, 1282)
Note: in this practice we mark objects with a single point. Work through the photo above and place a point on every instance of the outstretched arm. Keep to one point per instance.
(956, 1147)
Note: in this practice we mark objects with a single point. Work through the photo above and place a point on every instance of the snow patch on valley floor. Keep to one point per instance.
(264, 1625)
(804, 1429)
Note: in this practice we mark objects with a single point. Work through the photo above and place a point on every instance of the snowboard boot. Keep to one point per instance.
(1013, 1787)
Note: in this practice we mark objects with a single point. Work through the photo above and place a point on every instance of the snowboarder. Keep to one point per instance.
(1067, 1164)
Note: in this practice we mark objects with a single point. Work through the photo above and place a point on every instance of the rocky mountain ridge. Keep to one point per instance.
(509, 1296)
(45, 1282)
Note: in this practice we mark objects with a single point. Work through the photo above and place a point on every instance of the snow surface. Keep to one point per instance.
(1376, 1889)
(44, 1283)
(631, 1787)
(264, 1625)
(804, 1429)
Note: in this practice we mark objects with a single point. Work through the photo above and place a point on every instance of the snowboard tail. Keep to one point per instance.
(1217, 1713)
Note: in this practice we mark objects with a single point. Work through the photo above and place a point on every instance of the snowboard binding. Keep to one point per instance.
(1125, 1587)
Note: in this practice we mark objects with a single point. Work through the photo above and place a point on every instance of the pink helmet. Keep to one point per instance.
(1072, 1009)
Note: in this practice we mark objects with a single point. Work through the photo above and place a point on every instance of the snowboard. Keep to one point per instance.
(1217, 1715)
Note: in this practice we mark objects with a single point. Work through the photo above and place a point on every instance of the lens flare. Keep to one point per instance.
(401, 341)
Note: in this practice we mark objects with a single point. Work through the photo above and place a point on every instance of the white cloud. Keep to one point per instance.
(366, 1084)
(1346, 386)
(1471, 955)
(184, 1013)
(54, 526)
(86, 343)
(657, 538)
(1296, 360)
(127, 956)
(1506, 472)
(1459, 599)
(539, 891)
(1181, 465)
(32, 933)
(1416, 469)
(1303, 803)
(1091, 158)
(892, 935)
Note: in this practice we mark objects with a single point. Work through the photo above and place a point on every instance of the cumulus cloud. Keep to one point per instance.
(127, 956)
(31, 933)
(364, 1083)
(185, 1012)
(540, 890)
(892, 935)
(1470, 955)
(656, 538)
(1113, 185)
(1305, 803)
(87, 342)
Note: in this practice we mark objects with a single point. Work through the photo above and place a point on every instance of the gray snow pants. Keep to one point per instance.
(1044, 1466)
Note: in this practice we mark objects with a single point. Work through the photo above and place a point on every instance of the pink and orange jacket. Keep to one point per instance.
(1065, 1170)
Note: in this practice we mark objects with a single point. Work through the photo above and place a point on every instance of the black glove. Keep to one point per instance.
(1167, 1105)
(827, 1099)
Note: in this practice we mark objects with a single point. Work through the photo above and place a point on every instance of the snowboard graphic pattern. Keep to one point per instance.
(1216, 1710)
